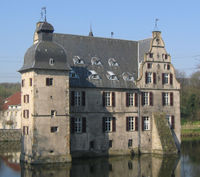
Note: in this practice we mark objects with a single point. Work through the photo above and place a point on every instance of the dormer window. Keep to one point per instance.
(112, 62)
(72, 74)
(96, 61)
(111, 76)
(78, 60)
(93, 75)
(51, 61)
(127, 76)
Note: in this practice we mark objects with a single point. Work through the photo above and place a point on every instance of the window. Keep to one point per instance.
(109, 124)
(147, 98)
(131, 123)
(78, 125)
(145, 123)
(130, 142)
(151, 55)
(170, 119)
(53, 113)
(110, 145)
(49, 81)
(25, 130)
(96, 61)
(149, 65)
(150, 78)
(129, 99)
(127, 76)
(51, 61)
(91, 144)
(108, 99)
(78, 60)
(72, 74)
(111, 76)
(93, 75)
(54, 129)
(26, 98)
(77, 98)
(167, 78)
(167, 98)
(112, 62)
(23, 82)
(26, 113)
(30, 81)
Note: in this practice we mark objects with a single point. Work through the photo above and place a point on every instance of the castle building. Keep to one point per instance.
(92, 96)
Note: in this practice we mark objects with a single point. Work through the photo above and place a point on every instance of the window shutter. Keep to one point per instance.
(171, 79)
(151, 99)
(23, 113)
(83, 98)
(142, 123)
(114, 124)
(127, 99)
(142, 98)
(127, 123)
(72, 124)
(103, 99)
(172, 122)
(171, 99)
(72, 98)
(168, 67)
(163, 99)
(27, 98)
(136, 123)
(146, 77)
(47, 81)
(104, 124)
(154, 78)
(113, 99)
(136, 100)
(84, 124)
(163, 78)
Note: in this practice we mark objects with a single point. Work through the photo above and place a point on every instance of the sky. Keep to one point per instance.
(179, 21)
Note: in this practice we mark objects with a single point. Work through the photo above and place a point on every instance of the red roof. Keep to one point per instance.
(14, 99)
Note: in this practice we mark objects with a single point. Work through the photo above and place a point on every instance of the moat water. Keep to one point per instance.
(185, 165)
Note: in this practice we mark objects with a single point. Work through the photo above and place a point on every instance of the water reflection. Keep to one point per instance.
(143, 166)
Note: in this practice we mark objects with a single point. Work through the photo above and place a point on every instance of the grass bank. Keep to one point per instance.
(190, 128)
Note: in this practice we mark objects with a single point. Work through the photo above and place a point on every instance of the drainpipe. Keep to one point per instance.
(139, 122)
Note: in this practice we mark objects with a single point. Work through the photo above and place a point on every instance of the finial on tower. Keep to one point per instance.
(156, 24)
(44, 14)
(91, 33)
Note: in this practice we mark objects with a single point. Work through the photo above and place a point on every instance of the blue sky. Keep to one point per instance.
(179, 21)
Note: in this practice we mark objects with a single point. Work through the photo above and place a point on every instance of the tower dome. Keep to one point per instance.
(45, 53)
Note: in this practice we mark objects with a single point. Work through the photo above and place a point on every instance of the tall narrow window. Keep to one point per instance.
(108, 99)
(30, 81)
(77, 98)
(78, 125)
(109, 124)
(167, 98)
(165, 78)
(145, 123)
(26, 113)
(23, 82)
(25, 130)
(129, 99)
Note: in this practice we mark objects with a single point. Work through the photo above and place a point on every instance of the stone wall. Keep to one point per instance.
(10, 135)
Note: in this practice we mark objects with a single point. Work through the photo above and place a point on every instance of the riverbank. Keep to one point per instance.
(190, 128)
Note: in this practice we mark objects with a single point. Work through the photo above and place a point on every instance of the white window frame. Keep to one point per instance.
(108, 99)
(146, 123)
(131, 123)
(78, 125)
(77, 98)
(149, 77)
(166, 99)
(108, 124)
(169, 120)
(131, 99)
(166, 78)
(146, 98)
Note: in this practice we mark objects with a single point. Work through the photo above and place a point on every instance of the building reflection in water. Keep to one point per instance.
(121, 166)
(145, 166)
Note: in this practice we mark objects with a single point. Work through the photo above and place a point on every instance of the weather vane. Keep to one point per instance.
(156, 24)
(43, 14)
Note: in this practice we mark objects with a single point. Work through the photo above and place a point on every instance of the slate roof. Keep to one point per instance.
(14, 99)
(66, 48)
(123, 51)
